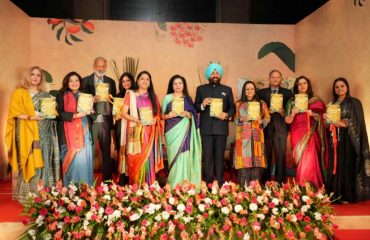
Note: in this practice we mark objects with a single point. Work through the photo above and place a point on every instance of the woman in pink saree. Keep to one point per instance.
(308, 135)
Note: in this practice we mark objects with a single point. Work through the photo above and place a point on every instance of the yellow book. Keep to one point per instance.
(301, 102)
(117, 106)
(333, 113)
(276, 103)
(85, 102)
(216, 107)
(146, 115)
(48, 107)
(178, 105)
(102, 90)
(254, 110)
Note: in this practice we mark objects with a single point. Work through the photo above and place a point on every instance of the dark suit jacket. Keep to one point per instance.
(90, 88)
(67, 116)
(277, 122)
(212, 125)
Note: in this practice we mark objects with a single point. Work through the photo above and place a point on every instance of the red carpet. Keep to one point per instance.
(358, 209)
(352, 235)
(9, 210)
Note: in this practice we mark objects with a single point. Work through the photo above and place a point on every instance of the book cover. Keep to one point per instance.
(102, 90)
(178, 105)
(85, 102)
(48, 107)
(333, 113)
(301, 102)
(254, 110)
(216, 107)
(276, 103)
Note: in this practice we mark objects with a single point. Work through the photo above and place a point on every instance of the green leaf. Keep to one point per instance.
(53, 26)
(162, 25)
(282, 51)
(48, 77)
(67, 41)
(59, 32)
(74, 38)
(86, 30)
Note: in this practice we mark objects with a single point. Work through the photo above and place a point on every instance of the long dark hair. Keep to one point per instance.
(66, 81)
(170, 85)
(244, 97)
(340, 79)
(152, 96)
(309, 88)
(122, 90)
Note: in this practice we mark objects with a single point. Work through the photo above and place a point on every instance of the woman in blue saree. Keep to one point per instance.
(182, 135)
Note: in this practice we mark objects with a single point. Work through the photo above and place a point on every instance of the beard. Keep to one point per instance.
(99, 74)
(215, 80)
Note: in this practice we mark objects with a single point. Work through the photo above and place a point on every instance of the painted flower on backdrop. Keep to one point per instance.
(185, 34)
(69, 29)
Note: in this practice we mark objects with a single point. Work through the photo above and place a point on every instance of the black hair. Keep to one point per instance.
(170, 85)
(152, 96)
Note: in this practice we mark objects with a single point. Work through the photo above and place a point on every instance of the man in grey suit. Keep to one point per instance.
(214, 130)
(103, 124)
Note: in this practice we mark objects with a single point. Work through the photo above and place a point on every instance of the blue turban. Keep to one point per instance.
(212, 67)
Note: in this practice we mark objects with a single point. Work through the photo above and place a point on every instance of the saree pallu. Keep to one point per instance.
(144, 143)
(308, 139)
(76, 154)
(183, 143)
(249, 140)
(350, 179)
(49, 174)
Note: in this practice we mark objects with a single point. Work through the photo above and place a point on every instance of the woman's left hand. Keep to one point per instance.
(309, 112)
(185, 114)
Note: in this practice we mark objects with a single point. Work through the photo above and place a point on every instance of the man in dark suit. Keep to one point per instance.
(103, 124)
(214, 130)
(276, 131)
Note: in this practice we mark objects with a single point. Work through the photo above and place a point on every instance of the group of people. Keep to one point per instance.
(336, 154)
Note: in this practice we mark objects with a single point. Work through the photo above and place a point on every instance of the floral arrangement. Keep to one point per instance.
(186, 212)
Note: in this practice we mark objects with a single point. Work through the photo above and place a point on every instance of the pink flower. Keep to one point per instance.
(307, 219)
(211, 231)
(109, 210)
(43, 212)
(307, 228)
(226, 227)
(224, 202)
(25, 220)
(181, 226)
(256, 226)
(78, 209)
(66, 219)
(299, 216)
(189, 209)
(271, 205)
(61, 202)
(37, 199)
(272, 236)
(120, 195)
(99, 189)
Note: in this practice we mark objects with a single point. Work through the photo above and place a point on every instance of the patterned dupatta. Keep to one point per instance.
(73, 130)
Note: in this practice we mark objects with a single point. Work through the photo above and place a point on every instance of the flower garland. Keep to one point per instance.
(152, 212)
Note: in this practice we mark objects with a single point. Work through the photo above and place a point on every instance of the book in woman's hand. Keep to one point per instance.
(254, 110)
(117, 106)
(333, 113)
(102, 90)
(178, 105)
(301, 102)
(276, 102)
(85, 102)
(48, 107)
(216, 107)
(146, 115)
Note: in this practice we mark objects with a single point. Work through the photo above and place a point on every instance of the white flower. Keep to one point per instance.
(158, 218)
(275, 201)
(54, 193)
(134, 217)
(171, 200)
(101, 211)
(48, 237)
(60, 225)
(88, 216)
(284, 210)
(31, 232)
(187, 219)
(76, 199)
(181, 207)
(178, 215)
(116, 214)
(65, 200)
(214, 190)
(320, 196)
(191, 191)
(107, 197)
(85, 224)
(268, 192)
(305, 198)
(157, 206)
(261, 216)
(305, 208)
(79, 202)
(260, 200)
(246, 236)
(201, 207)
(275, 211)
(293, 218)
(290, 206)
(165, 215)
(40, 220)
(317, 216)
(225, 210)
(238, 208)
(253, 207)
(208, 200)
(139, 192)
(47, 202)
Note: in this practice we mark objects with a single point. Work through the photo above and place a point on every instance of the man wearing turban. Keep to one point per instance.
(214, 129)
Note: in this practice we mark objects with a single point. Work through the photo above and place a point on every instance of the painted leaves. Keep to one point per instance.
(185, 34)
(69, 28)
